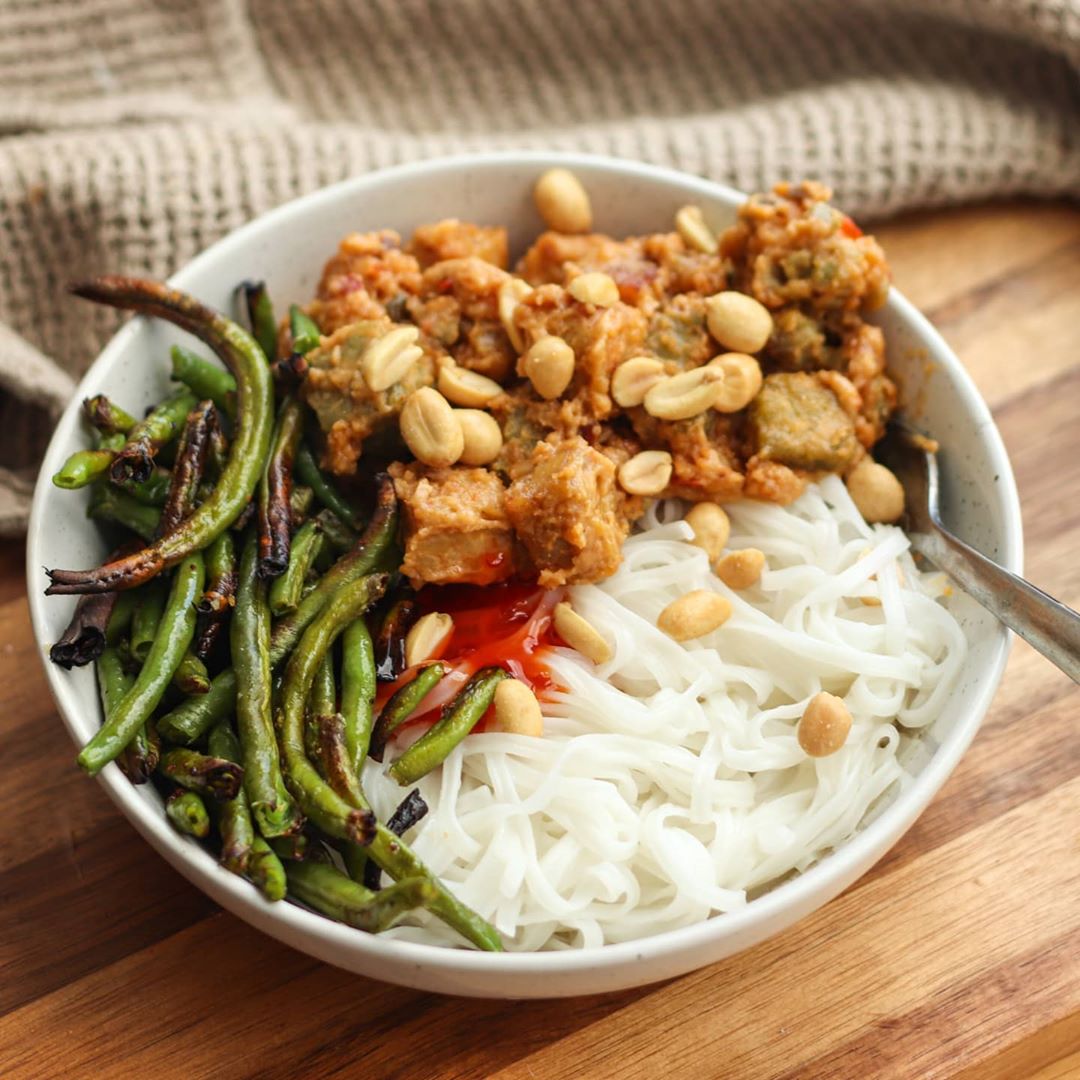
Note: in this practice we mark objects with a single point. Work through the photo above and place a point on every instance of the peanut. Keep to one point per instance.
(711, 528)
(563, 202)
(483, 437)
(511, 293)
(739, 380)
(692, 616)
(738, 321)
(388, 358)
(683, 396)
(634, 378)
(430, 428)
(549, 366)
(690, 225)
(580, 634)
(741, 569)
(460, 386)
(876, 492)
(517, 712)
(824, 726)
(594, 288)
(427, 637)
(647, 473)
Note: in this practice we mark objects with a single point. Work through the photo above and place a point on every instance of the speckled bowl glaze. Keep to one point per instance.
(287, 247)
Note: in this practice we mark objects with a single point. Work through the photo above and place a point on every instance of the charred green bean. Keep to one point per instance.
(317, 799)
(271, 804)
(204, 773)
(187, 813)
(188, 721)
(205, 378)
(247, 453)
(176, 630)
(357, 691)
(458, 718)
(287, 590)
(403, 704)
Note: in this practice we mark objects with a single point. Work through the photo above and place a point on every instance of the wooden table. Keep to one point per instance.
(959, 955)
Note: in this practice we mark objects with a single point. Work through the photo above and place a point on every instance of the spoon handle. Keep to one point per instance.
(1044, 623)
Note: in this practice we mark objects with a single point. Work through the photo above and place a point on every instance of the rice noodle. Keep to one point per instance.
(669, 785)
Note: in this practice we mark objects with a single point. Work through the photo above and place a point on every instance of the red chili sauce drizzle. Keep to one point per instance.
(508, 625)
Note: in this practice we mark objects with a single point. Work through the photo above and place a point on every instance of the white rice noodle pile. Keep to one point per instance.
(669, 783)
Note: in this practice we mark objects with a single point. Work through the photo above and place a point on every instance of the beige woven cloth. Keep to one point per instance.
(133, 133)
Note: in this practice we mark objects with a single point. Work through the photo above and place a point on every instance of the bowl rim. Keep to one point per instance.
(750, 922)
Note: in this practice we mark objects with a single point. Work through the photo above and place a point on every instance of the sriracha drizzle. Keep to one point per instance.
(508, 625)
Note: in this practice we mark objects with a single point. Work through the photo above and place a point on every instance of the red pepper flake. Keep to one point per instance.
(849, 228)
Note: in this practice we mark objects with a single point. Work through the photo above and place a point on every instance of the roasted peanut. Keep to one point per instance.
(594, 288)
(647, 473)
(430, 428)
(549, 365)
(563, 202)
(876, 492)
(388, 358)
(711, 528)
(741, 569)
(580, 634)
(427, 637)
(517, 712)
(460, 386)
(683, 396)
(483, 437)
(690, 225)
(511, 293)
(739, 380)
(738, 321)
(824, 726)
(634, 378)
(694, 615)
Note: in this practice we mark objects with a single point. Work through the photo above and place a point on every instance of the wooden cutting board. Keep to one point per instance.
(958, 956)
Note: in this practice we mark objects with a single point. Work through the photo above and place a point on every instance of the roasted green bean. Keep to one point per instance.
(330, 892)
(340, 537)
(140, 756)
(317, 799)
(84, 637)
(191, 676)
(303, 330)
(187, 813)
(204, 773)
(287, 590)
(217, 601)
(272, 806)
(188, 468)
(189, 720)
(308, 472)
(357, 691)
(135, 459)
(458, 718)
(105, 415)
(85, 466)
(403, 704)
(265, 871)
(233, 815)
(260, 312)
(176, 630)
(149, 608)
(247, 453)
(275, 514)
(206, 379)
(109, 503)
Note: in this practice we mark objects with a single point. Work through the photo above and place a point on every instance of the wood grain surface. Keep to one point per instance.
(957, 956)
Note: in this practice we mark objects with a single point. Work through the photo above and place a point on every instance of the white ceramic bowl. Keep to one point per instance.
(287, 247)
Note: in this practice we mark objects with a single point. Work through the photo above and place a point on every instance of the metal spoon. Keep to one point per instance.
(1039, 619)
